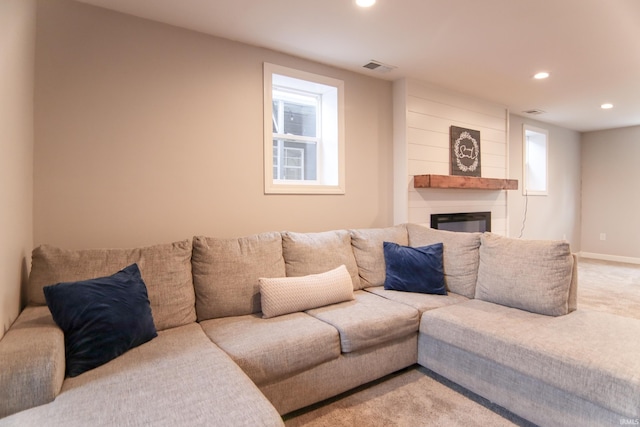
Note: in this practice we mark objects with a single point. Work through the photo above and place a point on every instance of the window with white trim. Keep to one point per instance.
(535, 159)
(303, 132)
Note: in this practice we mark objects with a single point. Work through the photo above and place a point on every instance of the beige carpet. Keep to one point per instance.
(411, 398)
(417, 397)
(608, 286)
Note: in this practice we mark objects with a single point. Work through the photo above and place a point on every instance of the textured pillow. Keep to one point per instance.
(226, 273)
(165, 268)
(367, 249)
(460, 256)
(291, 294)
(532, 275)
(414, 269)
(101, 318)
(313, 253)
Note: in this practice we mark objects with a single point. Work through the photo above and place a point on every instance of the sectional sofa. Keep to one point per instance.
(245, 330)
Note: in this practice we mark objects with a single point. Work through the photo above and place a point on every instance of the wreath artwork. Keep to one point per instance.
(465, 152)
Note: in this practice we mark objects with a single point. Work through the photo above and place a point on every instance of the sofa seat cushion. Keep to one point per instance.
(419, 301)
(590, 354)
(179, 378)
(271, 349)
(368, 320)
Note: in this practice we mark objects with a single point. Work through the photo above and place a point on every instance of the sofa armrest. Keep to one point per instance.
(32, 361)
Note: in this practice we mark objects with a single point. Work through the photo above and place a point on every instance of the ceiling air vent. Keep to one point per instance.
(534, 111)
(379, 67)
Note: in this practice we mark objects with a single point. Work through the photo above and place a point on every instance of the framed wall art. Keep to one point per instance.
(465, 151)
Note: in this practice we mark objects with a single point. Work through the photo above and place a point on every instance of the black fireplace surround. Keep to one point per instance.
(468, 222)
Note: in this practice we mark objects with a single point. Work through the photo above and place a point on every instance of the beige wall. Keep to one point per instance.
(148, 133)
(556, 215)
(17, 40)
(610, 196)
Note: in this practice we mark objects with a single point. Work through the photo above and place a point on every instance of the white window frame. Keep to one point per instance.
(535, 155)
(330, 141)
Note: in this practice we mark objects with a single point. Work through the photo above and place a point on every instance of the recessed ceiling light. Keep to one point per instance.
(541, 75)
(365, 3)
(606, 106)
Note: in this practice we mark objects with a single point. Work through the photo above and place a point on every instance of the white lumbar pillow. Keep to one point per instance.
(283, 295)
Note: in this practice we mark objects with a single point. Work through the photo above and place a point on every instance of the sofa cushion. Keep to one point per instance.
(165, 268)
(589, 354)
(312, 253)
(416, 269)
(532, 275)
(460, 256)
(368, 320)
(268, 350)
(226, 272)
(421, 302)
(285, 295)
(368, 251)
(101, 318)
(179, 378)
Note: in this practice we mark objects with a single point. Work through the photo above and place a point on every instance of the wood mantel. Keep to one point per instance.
(468, 182)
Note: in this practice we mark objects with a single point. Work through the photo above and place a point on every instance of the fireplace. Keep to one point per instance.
(466, 222)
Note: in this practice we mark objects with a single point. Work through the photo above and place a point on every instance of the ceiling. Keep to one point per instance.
(489, 49)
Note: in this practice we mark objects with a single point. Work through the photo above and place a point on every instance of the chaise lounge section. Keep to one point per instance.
(252, 328)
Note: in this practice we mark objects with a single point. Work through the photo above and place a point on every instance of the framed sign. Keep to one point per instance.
(465, 151)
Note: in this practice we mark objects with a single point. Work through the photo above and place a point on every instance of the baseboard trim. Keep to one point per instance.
(605, 257)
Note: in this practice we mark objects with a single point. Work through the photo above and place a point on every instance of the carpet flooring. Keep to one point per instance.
(417, 397)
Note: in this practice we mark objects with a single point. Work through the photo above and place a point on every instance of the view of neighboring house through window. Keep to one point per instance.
(304, 148)
(295, 134)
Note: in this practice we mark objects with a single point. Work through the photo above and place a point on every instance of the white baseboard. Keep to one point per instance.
(605, 257)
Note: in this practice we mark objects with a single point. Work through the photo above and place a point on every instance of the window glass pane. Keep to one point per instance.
(295, 160)
(299, 119)
(276, 160)
(276, 113)
(293, 163)
(535, 161)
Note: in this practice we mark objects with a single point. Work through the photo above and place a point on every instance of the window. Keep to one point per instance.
(303, 132)
(535, 159)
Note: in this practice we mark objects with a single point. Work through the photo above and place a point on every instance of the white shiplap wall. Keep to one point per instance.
(423, 114)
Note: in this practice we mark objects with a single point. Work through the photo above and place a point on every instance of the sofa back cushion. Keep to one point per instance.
(165, 268)
(460, 256)
(226, 273)
(313, 253)
(369, 253)
(532, 275)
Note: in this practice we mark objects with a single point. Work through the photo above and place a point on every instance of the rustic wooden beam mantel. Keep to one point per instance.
(468, 182)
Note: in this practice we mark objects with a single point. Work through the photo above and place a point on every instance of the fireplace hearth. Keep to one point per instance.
(468, 222)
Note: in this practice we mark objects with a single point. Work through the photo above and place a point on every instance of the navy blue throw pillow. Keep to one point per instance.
(414, 269)
(101, 318)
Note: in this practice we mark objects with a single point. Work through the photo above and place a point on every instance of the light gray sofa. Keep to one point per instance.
(218, 361)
